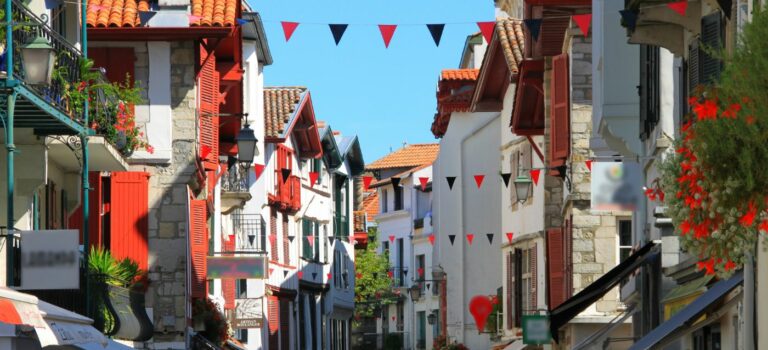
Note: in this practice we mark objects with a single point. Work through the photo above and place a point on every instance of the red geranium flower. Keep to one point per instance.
(706, 110)
(729, 265)
(749, 217)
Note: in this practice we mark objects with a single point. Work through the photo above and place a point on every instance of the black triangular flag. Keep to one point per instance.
(427, 286)
(286, 174)
(505, 177)
(534, 27)
(145, 16)
(251, 238)
(330, 239)
(285, 273)
(338, 31)
(314, 275)
(437, 32)
(451, 180)
(290, 238)
(490, 237)
(452, 238)
(630, 18)
(395, 181)
(405, 273)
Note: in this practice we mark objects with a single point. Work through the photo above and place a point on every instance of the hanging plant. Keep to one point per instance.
(716, 181)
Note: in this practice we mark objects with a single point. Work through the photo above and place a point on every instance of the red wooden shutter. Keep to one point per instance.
(532, 258)
(555, 263)
(210, 98)
(95, 213)
(129, 210)
(568, 261)
(286, 242)
(510, 290)
(274, 322)
(273, 234)
(228, 285)
(118, 62)
(198, 247)
(560, 130)
(285, 324)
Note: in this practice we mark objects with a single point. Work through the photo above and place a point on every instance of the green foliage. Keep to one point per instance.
(115, 272)
(373, 286)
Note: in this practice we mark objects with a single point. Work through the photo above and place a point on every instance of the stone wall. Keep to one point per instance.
(168, 202)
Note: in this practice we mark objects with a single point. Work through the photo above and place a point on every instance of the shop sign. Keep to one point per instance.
(50, 259)
(536, 330)
(237, 267)
(248, 314)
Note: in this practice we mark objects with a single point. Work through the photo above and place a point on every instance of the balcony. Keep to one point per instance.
(250, 231)
(287, 194)
(398, 276)
(235, 188)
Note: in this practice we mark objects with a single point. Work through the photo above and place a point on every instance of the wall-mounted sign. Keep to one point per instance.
(248, 314)
(50, 259)
(616, 185)
(536, 330)
(237, 267)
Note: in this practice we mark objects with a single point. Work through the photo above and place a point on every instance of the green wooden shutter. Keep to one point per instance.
(711, 39)
(306, 229)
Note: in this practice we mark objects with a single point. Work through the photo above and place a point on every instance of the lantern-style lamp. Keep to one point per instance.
(415, 292)
(38, 57)
(522, 188)
(246, 145)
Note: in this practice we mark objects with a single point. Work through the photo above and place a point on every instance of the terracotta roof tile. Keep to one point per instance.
(512, 39)
(280, 103)
(459, 74)
(371, 205)
(408, 156)
(125, 13)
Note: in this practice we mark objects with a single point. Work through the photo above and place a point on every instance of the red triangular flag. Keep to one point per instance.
(535, 176)
(431, 239)
(387, 31)
(205, 150)
(392, 238)
(487, 29)
(300, 274)
(311, 240)
(583, 22)
(679, 6)
(313, 175)
(589, 164)
(329, 275)
(258, 169)
(479, 180)
(390, 274)
(288, 29)
(421, 271)
(423, 181)
(352, 240)
(470, 237)
(367, 182)
(393, 318)
(271, 270)
(272, 238)
(509, 236)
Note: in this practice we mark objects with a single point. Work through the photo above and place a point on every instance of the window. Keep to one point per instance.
(421, 335)
(625, 239)
(384, 200)
(400, 263)
(242, 288)
(400, 316)
(317, 166)
(398, 198)
(649, 90)
(385, 247)
(311, 239)
(420, 271)
(703, 68)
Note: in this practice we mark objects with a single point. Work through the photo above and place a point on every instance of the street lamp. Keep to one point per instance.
(432, 318)
(522, 188)
(246, 145)
(415, 292)
(38, 57)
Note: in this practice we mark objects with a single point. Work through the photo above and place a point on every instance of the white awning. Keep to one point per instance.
(65, 327)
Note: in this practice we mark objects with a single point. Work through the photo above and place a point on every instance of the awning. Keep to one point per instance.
(688, 315)
(589, 295)
(64, 327)
(111, 345)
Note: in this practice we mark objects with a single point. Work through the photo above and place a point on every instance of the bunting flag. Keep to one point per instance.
(535, 176)
(510, 235)
(487, 29)
(451, 180)
(290, 238)
(479, 180)
(534, 27)
(205, 150)
(394, 318)
(300, 274)
(436, 30)
(330, 239)
(251, 239)
(288, 29)
(431, 239)
(490, 238)
(313, 176)
(390, 274)
(367, 182)
(505, 177)
(589, 164)
(420, 271)
(583, 22)
(272, 238)
(392, 238)
(338, 31)
(424, 181)
(286, 174)
(193, 18)
(258, 169)
(470, 238)
(285, 273)
(630, 18)
(387, 32)
(395, 181)
(145, 16)
(427, 286)
(271, 270)
(405, 272)
(311, 240)
(314, 275)
(352, 240)
(241, 21)
(329, 276)
(679, 6)
(452, 238)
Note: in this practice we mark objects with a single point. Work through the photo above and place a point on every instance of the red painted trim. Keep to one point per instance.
(535, 148)
(289, 267)
(157, 34)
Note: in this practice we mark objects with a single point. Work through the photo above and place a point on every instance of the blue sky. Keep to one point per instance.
(385, 96)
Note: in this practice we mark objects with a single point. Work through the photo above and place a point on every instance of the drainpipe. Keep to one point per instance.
(749, 300)
(9, 146)
(84, 172)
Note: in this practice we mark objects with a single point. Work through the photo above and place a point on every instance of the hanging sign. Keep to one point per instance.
(616, 185)
(50, 259)
(248, 314)
(536, 330)
(237, 267)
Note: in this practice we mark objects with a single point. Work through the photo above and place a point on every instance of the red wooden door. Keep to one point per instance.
(129, 210)
(118, 62)
(198, 248)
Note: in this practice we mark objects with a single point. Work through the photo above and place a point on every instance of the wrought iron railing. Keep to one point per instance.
(399, 276)
(236, 179)
(250, 230)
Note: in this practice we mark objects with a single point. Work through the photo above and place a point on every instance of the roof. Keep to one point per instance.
(512, 40)
(125, 13)
(371, 205)
(459, 74)
(400, 175)
(409, 156)
(254, 30)
(280, 106)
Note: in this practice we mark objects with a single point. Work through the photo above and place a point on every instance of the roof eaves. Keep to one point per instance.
(295, 115)
(254, 30)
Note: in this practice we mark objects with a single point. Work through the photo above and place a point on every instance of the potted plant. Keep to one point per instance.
(210, 322)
